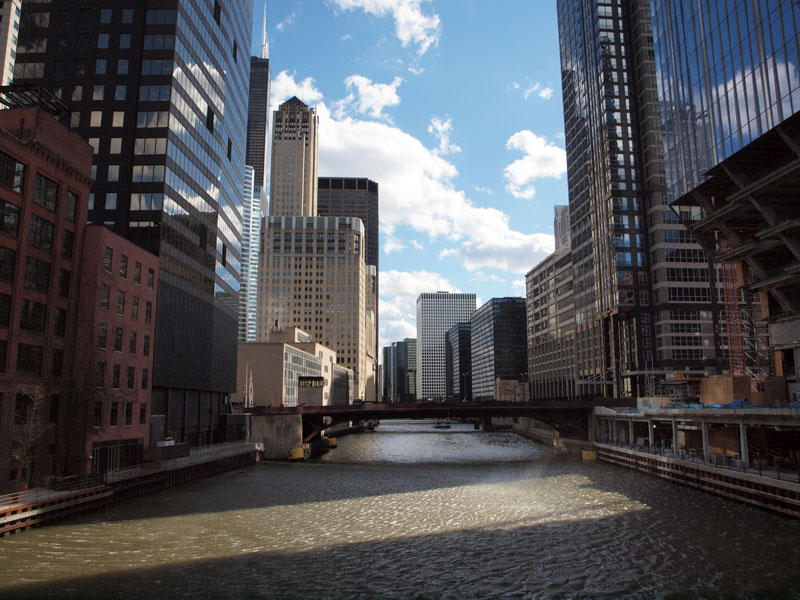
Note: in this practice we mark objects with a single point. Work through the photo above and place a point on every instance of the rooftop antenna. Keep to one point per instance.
(264, 43)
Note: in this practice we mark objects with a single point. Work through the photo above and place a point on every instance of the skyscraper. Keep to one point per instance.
(645, 295)
(293, 169)
(436, 314)
(10, 13)
(498, 349)
(251, 233)
(458, 362)
(258, 110)
(161, 94)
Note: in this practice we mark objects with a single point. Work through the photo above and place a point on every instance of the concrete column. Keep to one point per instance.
(744, 453)
(650, 434)
(613, 430)
(630, 431)
(706, 450)
(592, 433)
(674, 438)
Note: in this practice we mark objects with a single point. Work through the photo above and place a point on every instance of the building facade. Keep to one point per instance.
(729, 92)
(161, 95)
(251, 234)
(458, 362)
(498, 345)
(258, 110)
(10, 13)
(436, 314)
(312, 275)
(44, 188)
(118, 289)
(293, 168)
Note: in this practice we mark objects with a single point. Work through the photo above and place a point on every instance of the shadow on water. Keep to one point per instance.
(564, 559)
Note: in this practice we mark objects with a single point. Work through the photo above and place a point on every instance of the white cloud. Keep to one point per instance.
(392, 244)
(368, 98)
(284, 87)
(416, 244)
(516, 252)
(518, 285)
(442, 129)
(286, 21)
(483, 190)
(411, 25)
(398, 301)
(346, 37)
(546, 93)
(541, 159)
(416, 70)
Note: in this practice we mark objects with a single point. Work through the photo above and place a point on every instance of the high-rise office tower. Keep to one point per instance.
(251, 233)
(355, 197)
(644, 292)
(312, 275)
(436, 314)
(293, 169)
(258, 109)
(458, 362)
(10, 13)
(498, 348)
(161, 95)
(729, 92)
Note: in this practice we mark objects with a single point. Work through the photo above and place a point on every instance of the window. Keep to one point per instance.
(102, 335)
(32, 316)
(124, 41)
(146, 346)
(115, 374)
(118, 339)
(123, 266)
(145, 381)
(45, 192)
(120, 92)
(115, 146)
(95, 118)
(77, 93)
(57, 365)
(129, 407)
(105, 15)
(63, 283)
(217, 11)
(5, 310)
(100, 66)
(113, 176)
(148, 312)
(102, 40)
(122, 66)
(132, 343)
(101, 374)
(29, 359)
(114, 413)
(71, 206)
(127, 15)
(121, 303)
(12, 173)
(108, 257)
(118, 118)
(9, 213)
(160, 17)
(105, 292)
(40, 233)
(210, 119)
(130, 379)
(97, 416)
(37, 275)
(135, 308)
(7, 265)
(111, 198)
(150, 278)
(137, 274)
(143, 412)
(93, 141)
(60, 323)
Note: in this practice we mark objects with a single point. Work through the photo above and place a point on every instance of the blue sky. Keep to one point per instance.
(454, 108)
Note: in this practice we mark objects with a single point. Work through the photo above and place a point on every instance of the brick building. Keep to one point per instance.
(44, 186)
(115, 338)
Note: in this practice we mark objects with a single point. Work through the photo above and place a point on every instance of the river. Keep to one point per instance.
(413, 512)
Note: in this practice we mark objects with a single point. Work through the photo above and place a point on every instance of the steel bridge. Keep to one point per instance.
(571, 418)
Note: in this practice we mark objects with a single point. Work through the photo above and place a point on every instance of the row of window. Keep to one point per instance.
(113, 414)
(37, 273)
(102, 340)
(105, 294)
(108, 259)
(33, 316)
(116, 377)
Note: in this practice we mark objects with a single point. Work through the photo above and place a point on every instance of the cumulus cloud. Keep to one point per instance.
(284, 86)
(544, 92)
(286, 21)
(416, 244)
(516, 252)
(392, 244)
(412, 26)
(483, 190)
(518, 285)
(541, 159)
(398, 301)
(368, 98)
(441, 130)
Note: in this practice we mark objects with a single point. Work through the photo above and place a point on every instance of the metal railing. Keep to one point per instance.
(779, 469)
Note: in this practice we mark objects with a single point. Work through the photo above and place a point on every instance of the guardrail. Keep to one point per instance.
(779, 468)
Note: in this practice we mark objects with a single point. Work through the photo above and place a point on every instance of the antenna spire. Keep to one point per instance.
(264, 43)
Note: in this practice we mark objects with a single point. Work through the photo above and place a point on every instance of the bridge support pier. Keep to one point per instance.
(278, 433)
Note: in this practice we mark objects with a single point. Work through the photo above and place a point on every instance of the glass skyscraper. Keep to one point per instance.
(161, 95)
(498, 348)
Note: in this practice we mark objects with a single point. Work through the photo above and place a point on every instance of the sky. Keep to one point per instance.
(454, 108)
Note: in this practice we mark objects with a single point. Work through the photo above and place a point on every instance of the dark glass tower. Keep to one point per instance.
(498, 344)
(258, 110)
(457, 362)
(160, 92)
(352, 197)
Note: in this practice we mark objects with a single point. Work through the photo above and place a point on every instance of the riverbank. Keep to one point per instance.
(31, 508)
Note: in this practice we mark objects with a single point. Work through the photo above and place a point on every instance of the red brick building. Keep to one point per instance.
(45, 176)
(115, 338)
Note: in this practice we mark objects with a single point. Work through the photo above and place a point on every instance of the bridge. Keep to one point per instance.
(571, 418)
